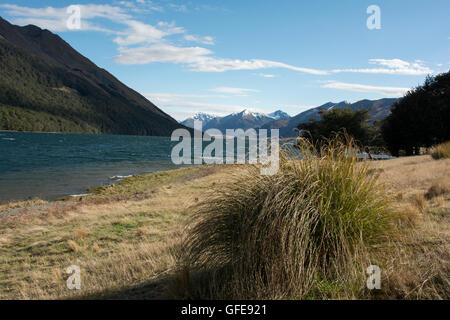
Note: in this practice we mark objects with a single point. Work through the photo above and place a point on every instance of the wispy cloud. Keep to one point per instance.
(266, 75)
(211, 64)
(203, 40)
(391, 66)
(141, 43)
(387, 91)
(141, 6)
(168, 97)
(198, 59)
(55, 19)
(161, 53)
(141, 33)
(234, 91)
(178, 7)
(182, 106)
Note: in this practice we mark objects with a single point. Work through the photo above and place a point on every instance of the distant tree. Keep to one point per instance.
(421, 118)
(335, 121)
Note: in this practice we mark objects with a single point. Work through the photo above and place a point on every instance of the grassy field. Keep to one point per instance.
(125, 237)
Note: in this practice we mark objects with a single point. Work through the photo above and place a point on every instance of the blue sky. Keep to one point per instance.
(223, 56)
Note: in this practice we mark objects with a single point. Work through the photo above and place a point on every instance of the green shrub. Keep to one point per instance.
(270, 237)
(441, 151)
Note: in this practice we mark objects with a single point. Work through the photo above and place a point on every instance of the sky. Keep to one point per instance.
(220, 57)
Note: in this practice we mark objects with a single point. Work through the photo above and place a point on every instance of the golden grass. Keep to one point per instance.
(127, 235)
(117, 243)
(420, 265)
(21, 204)
(441, 151)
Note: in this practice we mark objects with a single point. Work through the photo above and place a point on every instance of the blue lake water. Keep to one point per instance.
(50, 165)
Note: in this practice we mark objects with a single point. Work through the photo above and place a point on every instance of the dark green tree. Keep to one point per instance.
(337, 121)
(421, 118)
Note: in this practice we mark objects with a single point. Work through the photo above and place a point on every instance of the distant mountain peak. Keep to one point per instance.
(202, 115)
(249, 113)
(279, 114)
(199, 116)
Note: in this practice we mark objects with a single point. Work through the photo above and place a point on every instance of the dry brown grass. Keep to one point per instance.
(118, 259)
(438, 188)
(420, 202)
(441, 151)
(119, 244)
(420, 266)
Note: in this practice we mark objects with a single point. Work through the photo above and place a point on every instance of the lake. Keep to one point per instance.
(51, 165)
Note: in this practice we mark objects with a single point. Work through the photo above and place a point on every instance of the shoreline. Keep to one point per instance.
(88, 191)
(81, 133)
(131, 227)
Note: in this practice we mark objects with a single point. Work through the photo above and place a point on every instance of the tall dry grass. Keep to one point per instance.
(297, 234)
(441, 151)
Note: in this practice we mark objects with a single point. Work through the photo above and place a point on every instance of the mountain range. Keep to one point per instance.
(246, 119)
(378, 109)
(46, 85)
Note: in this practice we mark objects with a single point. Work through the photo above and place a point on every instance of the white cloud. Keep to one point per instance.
(139, 33)
(178, 7)
(197, 58)
(55, 19)
(235, 91)
(142, 43)
(267, 75)
(141, 6)
(169, 97)
(387, 91)
(210, 64)
(203, 40)
(161, 53)
(392, 66)
(182, 106)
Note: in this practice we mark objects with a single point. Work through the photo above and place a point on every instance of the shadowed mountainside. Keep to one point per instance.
(46, 85)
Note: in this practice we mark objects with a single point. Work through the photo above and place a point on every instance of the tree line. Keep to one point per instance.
(418, 120)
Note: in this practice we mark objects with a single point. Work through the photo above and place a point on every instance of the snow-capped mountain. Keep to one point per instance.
(277, 115)
(244, 120)
(204, 117)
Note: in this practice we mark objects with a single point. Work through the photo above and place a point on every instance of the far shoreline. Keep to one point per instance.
(80, 133)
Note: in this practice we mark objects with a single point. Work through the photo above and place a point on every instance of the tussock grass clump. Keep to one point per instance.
(437, 189)
(441, 151)
(307, 227)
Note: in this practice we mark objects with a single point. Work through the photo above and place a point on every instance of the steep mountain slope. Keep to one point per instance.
(45, 85)
(378, 110)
